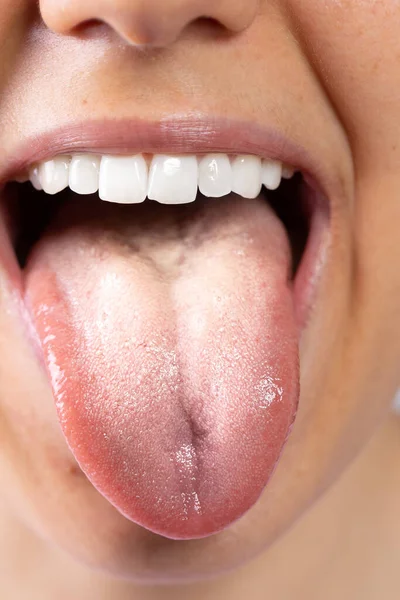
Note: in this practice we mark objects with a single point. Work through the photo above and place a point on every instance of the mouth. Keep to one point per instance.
(168, 284)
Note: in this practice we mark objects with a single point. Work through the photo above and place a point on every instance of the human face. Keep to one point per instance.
(166, 339)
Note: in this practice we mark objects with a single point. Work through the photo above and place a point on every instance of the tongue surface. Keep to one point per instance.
(170, 339)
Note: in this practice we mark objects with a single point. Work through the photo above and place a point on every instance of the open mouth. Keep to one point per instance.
(168, 293)
(131, 180)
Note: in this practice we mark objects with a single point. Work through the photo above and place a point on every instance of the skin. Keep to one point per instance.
(327, 72)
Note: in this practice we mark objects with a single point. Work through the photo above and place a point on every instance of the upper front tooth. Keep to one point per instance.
(53, 175)
(123, 179)
(246, 176)
(84, 173)
(173, 179)
(271, 174)
(215, 175)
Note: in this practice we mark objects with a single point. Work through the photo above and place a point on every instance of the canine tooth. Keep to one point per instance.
(84, 173)
(34, 178)
(54, 174)
(271, 174)
(173, 179)
(123, 179)
(215, 175)
(288, 172)
(246, 171)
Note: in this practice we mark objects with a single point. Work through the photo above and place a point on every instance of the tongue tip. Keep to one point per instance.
(184, 519)
(185, 531)
(191, 527)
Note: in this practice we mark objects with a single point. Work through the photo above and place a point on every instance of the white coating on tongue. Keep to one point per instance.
(172, 347)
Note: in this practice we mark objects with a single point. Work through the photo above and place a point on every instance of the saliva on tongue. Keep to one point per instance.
(170, 339)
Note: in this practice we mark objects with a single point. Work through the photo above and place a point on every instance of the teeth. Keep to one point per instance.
(246, 176)
(53, 174)
(166, 179)
(123, 179)
(215, 175)
(84, 173)
(271, 174)
(288, 172)
(34, 178)
(173, 179)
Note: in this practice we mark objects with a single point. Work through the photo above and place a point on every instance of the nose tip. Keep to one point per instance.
(146, 22)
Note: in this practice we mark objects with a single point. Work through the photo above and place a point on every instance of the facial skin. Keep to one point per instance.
(327, 72)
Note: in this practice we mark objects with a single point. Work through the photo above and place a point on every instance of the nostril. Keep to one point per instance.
(209, 28)
(155, 23)
(96, 29)
(91, 29)
(205, 27)
(90, 25)
(132, 31)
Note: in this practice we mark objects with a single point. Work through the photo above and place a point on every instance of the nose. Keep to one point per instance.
(147, 22)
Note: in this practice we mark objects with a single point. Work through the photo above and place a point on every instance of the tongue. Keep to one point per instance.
(170, 340)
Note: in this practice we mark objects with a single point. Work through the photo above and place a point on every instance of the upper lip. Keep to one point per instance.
(174, 135)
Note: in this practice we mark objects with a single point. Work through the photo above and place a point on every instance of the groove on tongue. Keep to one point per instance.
(170, 339)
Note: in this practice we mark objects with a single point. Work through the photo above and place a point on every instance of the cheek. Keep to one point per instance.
(377, 273)
(40, 481)
(35, 464)
(358, 63)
